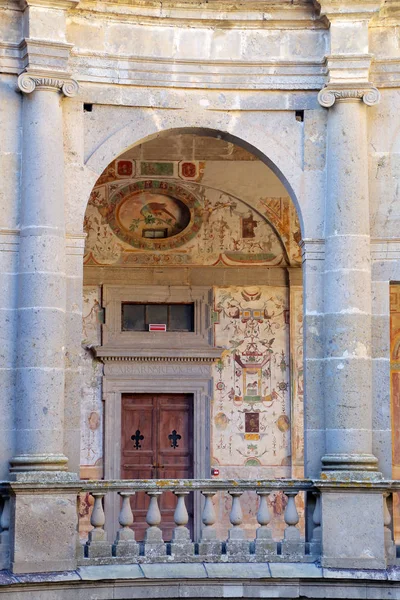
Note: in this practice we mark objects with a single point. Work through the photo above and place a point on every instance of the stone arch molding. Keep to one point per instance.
(273, 145)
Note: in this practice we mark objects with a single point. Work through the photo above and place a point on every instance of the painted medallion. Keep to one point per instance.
(153, 215)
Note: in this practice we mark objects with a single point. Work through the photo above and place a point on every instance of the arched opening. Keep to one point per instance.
(192, 319)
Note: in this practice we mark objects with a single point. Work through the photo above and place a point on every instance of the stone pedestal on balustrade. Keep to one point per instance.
(293, 546)
(181, 546)
(154, 545)
(210, 547)
(44, 527)
(352, 528)
(237, 547)
(264, 545)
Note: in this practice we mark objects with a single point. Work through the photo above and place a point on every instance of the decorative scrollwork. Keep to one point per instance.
(27, 83)
(328, 96)
(70, 88)
(371, 97)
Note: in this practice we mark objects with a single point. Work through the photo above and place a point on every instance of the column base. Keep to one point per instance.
(353, 467)
(38, 462)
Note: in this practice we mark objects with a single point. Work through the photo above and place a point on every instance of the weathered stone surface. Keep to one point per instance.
(237, 570)
(177, 570)
(94, 573)
(45, 530)
(346, 542)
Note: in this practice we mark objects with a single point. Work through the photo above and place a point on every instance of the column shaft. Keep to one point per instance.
(41, 289)
(347, 294)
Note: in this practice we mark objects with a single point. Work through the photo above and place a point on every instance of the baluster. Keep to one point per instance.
(237, 547)
(153, 541)
(209, 546)
(181, 546)
(97, 545)
(316, 540)
(293, 546)
(264, 544)
(5, 534)
(387, 519)
(125, 544)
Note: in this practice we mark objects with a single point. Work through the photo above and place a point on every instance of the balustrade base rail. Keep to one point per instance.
(196, 558)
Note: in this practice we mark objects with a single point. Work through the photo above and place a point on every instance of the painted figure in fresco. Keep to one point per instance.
(158, 210)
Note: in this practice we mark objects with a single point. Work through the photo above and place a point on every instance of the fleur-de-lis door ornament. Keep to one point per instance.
(173, 438)
(137, 438)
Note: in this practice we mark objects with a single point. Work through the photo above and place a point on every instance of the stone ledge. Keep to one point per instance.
(205, 573)
(240, 580)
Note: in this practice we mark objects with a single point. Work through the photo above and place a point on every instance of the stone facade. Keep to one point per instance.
(273, 126)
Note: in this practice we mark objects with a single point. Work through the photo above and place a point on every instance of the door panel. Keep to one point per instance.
(174, 452)
(164, 452)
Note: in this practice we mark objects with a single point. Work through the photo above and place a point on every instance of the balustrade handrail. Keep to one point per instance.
(215, 485)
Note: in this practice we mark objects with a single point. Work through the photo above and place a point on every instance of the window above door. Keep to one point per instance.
(175, 317)
(131, 310)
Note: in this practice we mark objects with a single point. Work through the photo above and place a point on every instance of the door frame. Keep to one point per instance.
(133, 377)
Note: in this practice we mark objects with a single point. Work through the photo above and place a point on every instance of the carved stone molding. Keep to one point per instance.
(327, 96)
(27, 83)
(157, 359)
(154, 370)
(356, 9)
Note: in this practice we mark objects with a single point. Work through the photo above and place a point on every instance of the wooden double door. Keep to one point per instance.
(157, 443)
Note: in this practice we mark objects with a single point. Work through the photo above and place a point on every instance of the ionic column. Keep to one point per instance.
(347, 286)
(41, 280)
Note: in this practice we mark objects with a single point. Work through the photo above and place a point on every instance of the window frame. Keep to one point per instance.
(140, 343)
(147, 321)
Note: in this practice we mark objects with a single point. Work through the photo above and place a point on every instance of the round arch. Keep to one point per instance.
(277, 154)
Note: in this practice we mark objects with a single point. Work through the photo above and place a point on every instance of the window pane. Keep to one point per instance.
(133, 317)
(157, 313)
(181, 317)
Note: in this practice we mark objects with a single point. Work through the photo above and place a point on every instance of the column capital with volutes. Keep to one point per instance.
(29, 82)
(329, 95)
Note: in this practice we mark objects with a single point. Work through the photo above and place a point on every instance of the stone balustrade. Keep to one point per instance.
(227, 529)
(98, 549)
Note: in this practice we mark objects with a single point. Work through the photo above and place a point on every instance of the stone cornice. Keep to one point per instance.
(348, 9)
(28, 82)
(329, 95)
(55, 4)
(157, 355)
(252, 14)
(390, 9)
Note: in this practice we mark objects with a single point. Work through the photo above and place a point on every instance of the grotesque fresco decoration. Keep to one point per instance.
(91, 405)
(251, 404)
(395, 396)
(157, 221)
(257, 407)
(297, 380)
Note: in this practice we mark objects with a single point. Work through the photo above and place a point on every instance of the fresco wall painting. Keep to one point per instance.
(395, 397)
(127, 213)
(297, 380)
